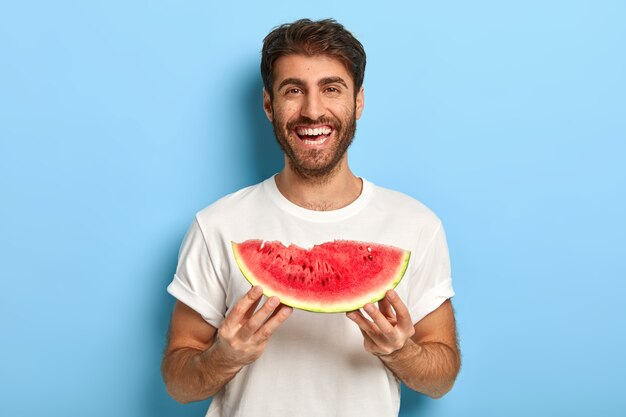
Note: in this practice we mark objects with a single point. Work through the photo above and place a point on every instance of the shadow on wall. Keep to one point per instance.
(413, 403)
(263, 159)
(158, 403)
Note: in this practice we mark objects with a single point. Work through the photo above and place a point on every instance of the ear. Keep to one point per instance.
(267, 105)
(359, 103)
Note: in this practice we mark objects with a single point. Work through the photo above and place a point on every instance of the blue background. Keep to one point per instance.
(120, 120)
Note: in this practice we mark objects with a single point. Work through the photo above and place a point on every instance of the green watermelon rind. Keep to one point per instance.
(351, 305)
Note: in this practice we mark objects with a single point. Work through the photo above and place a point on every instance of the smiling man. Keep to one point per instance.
(261, 358)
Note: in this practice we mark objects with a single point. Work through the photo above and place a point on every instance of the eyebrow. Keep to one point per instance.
(332, 80)
(324, 81)
(294, 81)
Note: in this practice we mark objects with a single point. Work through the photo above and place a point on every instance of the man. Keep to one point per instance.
(261, 358)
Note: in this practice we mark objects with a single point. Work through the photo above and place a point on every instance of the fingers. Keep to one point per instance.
(402, 313)
(373, 339)
(364, 324)
(386, 328)
(390, 325)
(252, 308)
(385, 307)
(244, 332)
(257, 319)
(275, 320)
(384, 317)
(246, 305)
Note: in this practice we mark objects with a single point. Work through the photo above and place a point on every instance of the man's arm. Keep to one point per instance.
(424, 356)
(197, 364)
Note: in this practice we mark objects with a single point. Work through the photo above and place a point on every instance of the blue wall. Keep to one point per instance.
(119, 120)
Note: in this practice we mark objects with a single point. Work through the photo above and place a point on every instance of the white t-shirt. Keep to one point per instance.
(314, 364)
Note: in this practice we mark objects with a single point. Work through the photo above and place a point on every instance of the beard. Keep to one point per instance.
(315, 163)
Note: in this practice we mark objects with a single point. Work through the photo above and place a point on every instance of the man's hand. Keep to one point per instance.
(424, 356)
(390, 327)
(244, 333)
(196, 364)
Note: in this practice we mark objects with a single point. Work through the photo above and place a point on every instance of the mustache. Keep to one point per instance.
(303, 120)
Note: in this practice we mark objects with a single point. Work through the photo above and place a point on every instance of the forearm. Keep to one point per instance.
(429, 367)
(194, 375)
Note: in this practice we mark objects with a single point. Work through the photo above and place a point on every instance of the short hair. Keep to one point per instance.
(307, 37)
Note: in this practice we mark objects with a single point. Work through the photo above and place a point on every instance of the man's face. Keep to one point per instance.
(313, 111)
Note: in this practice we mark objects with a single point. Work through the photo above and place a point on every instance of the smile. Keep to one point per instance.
(313, 135)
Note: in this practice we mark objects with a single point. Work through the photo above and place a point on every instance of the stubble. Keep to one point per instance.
(316, 164)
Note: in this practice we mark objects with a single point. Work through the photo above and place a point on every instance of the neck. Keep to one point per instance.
(333, 191)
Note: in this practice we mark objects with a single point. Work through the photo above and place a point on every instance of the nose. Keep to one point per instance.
(313, 107)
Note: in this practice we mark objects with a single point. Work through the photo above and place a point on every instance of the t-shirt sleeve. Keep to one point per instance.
(197, 282)
(432, 281)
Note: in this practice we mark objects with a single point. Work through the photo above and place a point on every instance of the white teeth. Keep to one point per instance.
(313, 132)
(314, 142)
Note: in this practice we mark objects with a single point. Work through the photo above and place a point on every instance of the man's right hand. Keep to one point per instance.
(244, 333)
(196, 364)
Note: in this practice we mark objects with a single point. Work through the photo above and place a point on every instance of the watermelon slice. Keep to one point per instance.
(332, 277)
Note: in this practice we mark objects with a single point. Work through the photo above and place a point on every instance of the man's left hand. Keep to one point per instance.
(389, 328)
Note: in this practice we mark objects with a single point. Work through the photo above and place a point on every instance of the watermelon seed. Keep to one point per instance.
(370, 257)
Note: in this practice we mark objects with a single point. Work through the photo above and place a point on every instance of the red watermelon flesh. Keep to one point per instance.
(336, 276)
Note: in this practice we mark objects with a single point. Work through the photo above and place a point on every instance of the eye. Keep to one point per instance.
(332, 90)
(293, 91)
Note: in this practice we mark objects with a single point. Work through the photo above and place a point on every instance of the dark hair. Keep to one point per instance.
(306, 37)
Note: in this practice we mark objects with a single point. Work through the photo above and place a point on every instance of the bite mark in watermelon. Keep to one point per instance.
(331, 277)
